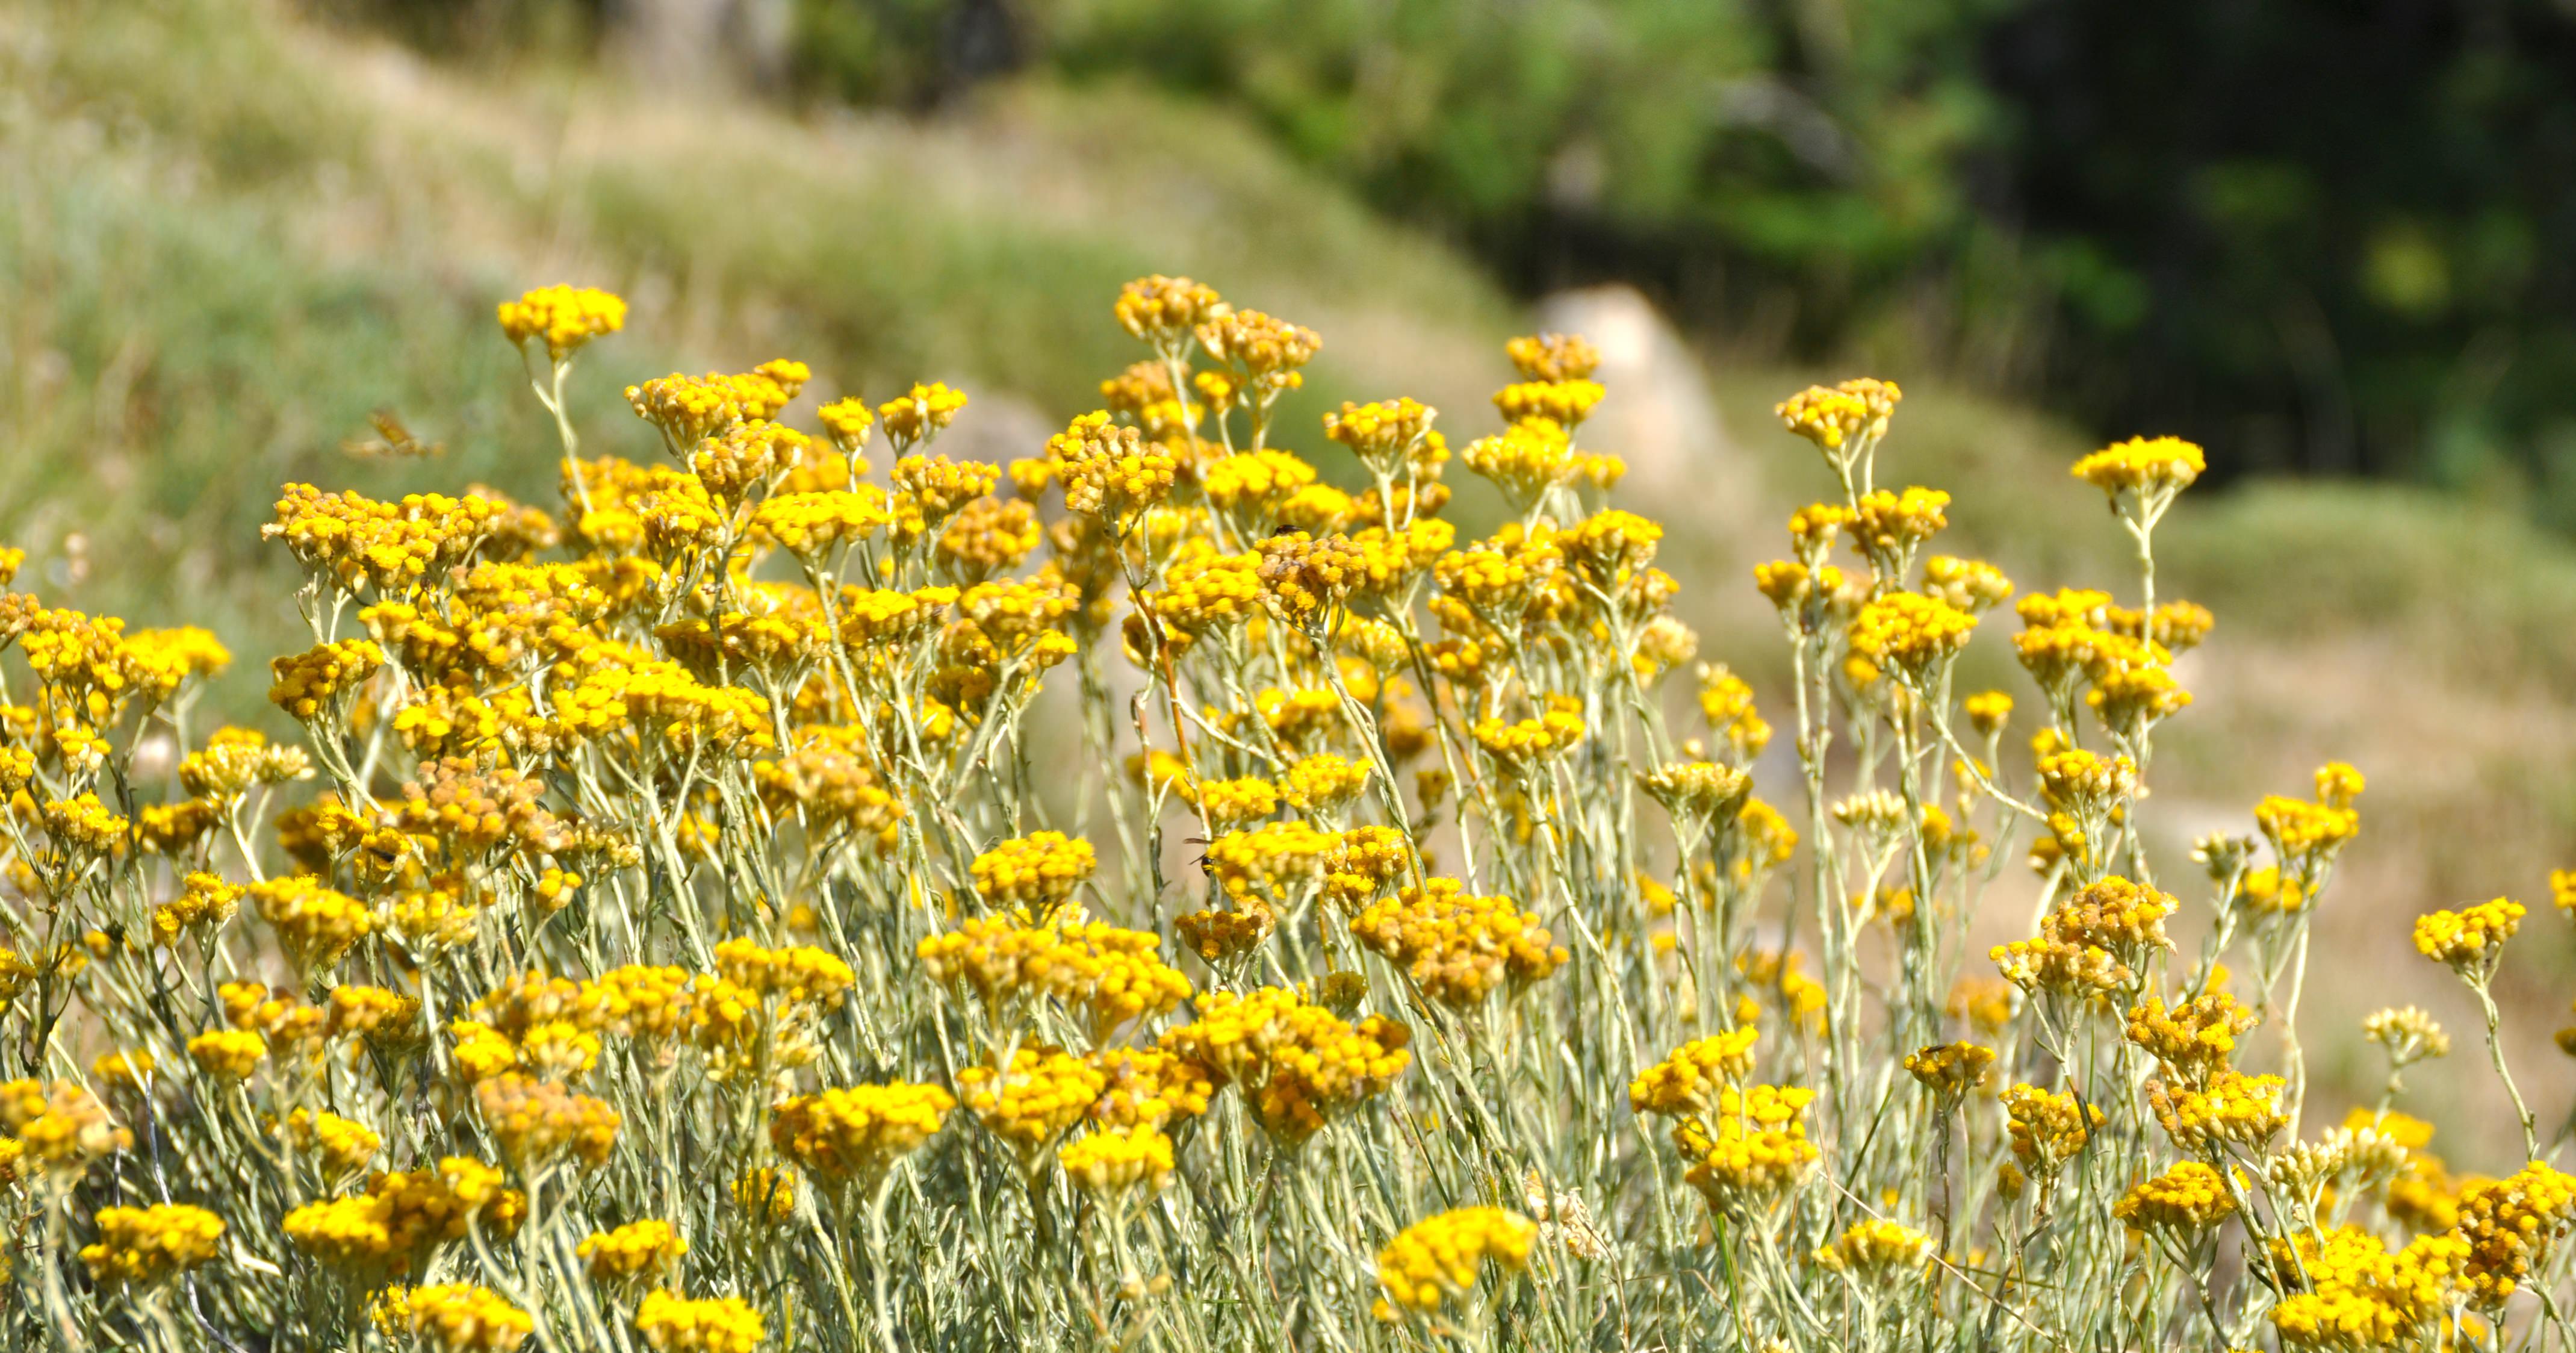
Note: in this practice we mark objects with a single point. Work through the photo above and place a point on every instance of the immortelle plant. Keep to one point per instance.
(679, 924)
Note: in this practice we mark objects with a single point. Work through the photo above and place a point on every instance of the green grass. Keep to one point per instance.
(228, 239)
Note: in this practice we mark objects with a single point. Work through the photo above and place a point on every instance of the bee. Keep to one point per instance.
(1202, 861)
(392, 441)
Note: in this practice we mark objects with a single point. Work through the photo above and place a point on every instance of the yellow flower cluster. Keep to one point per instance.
(2512, 1228)
(312, 684)
(228, 1054)
(1324, 783)
(2192, 1040)
(344, 1144)
(1111, 974)
(1525, 743)
(2470, 940)
(2232, 1109)
(1117, 1161)
(2093, 943)
(2144, 465)
(636, 1248)
(2047, 1127)
(2185, 1200)
(1459, 949)
(1752, 1151)
(674, 1324)
(1950, 1070)
(921, 413)
(538, 1122)
(1689, 1077)
(315, 925)
(564, 318)
(1034, 874)
(1854, 413)
(144, 1246)
(1877, 1251)
(1911, 634)
(1037, 1097)
(690, 409)
(1300, 1066)
(1437, 1259)
(858, 1132)
(1385, 435)
(404, 1212)
(456, 1318)
(2362, 1297)
(1303, 577)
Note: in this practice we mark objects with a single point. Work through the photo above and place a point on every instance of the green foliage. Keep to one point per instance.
(2314, 237)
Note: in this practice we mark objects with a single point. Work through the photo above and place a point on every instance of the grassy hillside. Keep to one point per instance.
(228, 238)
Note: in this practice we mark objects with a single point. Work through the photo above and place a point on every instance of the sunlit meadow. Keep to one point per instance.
(673, 928)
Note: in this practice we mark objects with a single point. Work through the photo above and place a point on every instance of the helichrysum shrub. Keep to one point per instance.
(665, 933)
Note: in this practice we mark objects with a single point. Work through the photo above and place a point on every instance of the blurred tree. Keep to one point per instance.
(2322, 234)
(2325, 235)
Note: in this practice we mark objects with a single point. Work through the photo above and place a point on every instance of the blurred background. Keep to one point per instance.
(2332, 240)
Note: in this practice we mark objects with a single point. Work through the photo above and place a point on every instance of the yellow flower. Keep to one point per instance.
(343, 1143)
(2188, 1198)
(1458, 949)
(1565, 402)
(2513, 1227)
(1299, 1065)
(459, 1318)
(313, 686)
(2047, 1127)
(2471, 940)
(1525, 460)
(1686, 1081)
(1877, 1252)
(1303, 577)
(2192, 1040)
(1164, 310)
(690, 409)
(1553, 357)
(859, 1132)
(1843, 420)
(228, 1054)
(1914, 634)
(563, 317)
(1034, 874)
(1226, 802)
(1950, 1070)
(2232, 1109)
(537, 1123)
(1268, 350)
(674, 1324)
(1110, 471)
(1385, 436)
(1042, 1093)
(1437, 1259)
(315, 925)
(1752, 1151)
(2143, 474)
(1252, 486)
(1324, 782)
(145, 1246)
(1117, 1161)
(632, 1249)
(934, 488)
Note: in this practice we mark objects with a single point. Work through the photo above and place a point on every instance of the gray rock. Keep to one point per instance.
(1660, 414)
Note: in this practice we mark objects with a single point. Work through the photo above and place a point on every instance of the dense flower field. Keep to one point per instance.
(672, 930)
